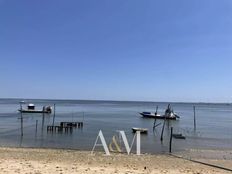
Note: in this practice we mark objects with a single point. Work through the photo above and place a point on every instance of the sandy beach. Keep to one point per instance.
(39, 161)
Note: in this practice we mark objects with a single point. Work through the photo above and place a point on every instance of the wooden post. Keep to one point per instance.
(156, 111)
(21, 124)
(42, 124)
(21, 119)
(36, 126)
(170, 142)
(161, 137)
(194, 113)
(154, 125)
(54, 114)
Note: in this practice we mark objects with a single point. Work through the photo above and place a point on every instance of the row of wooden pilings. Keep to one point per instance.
(64, 127)
(171, 133)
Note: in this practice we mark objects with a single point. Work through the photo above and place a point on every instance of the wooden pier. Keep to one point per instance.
(72, 124)
(59, 129)
(65, 127)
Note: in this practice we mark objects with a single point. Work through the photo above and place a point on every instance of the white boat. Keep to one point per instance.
(31, 109)
(142, 130)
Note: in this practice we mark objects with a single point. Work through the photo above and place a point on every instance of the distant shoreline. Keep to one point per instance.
(121, 101)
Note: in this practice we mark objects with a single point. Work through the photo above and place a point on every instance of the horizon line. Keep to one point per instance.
(148, 101)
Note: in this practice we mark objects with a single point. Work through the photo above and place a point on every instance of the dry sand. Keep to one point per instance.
(40, 161)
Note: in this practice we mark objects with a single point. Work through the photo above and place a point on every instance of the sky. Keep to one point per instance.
(143, 50)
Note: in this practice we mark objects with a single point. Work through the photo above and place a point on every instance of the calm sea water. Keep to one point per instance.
(214, 124)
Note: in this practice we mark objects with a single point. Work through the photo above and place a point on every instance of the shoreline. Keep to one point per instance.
(41, 160)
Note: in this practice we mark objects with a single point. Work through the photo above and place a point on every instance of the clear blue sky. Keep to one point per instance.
(156, 50)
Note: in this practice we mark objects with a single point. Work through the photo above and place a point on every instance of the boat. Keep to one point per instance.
(156, 116)
(169, 114)
(142, 130)
(31, 109)
(178, 136)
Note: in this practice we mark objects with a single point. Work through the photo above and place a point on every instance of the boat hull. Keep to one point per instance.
(147, 115)
(34, 111)
(178, 136)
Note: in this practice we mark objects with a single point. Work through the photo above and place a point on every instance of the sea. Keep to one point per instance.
(213, 125)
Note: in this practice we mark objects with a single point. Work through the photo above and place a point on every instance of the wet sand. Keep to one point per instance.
(44, 161)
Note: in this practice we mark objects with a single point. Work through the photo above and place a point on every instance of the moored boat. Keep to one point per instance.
(142, 130)
(31, 109)
(157, 116)
(169, 114)
(178, 136)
